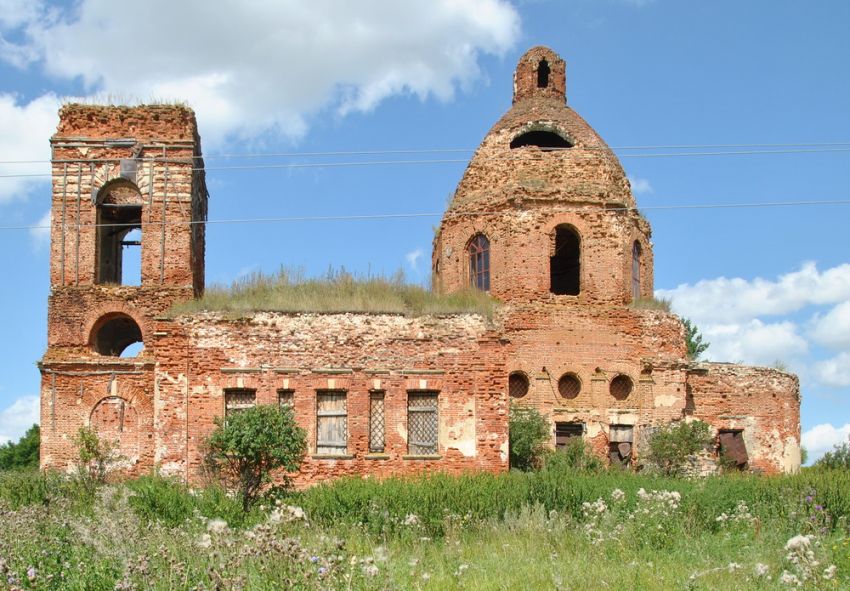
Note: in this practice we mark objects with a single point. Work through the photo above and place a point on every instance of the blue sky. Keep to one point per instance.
(765, 284)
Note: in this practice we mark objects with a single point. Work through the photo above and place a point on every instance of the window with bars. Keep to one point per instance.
(636, 252)
(422, 423)
(238, 399)
(479, 262)
(517, 384)
(331, 423)
(286, 399)
(377, 424)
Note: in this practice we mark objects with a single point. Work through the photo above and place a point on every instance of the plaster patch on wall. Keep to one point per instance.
(665, 400)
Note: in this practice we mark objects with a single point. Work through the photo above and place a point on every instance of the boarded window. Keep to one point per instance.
(479, 262)
(733, 450)
(636, 251)
(569, 386)
(565, 263)
(517, 384)
(620, 442)
(621, 387)
(564, 432)
(422, 423)
(238, 399)
(286, 398)
(331, 423)
(377, 424)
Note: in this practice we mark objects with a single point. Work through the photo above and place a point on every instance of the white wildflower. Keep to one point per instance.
(205, 541)
(370, 570)
(829, 572)
(799, 542)
(617, 495)
(216, 525)
(411, 519)
(733, 566)
(761, 569)
(789, 579)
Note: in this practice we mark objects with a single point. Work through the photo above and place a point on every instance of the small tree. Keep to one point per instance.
(245, 448)
(837, 459)
(24, 453)
(670, 446)
(94, 456)
(528, 433)
(693, 338)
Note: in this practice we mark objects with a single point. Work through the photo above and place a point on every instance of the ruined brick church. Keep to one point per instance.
(543, 219)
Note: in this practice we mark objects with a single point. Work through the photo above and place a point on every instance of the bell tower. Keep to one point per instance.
(129, 205)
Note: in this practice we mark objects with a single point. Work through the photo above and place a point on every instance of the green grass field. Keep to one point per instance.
(554, 529)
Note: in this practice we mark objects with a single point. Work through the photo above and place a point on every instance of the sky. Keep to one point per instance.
(749, 245)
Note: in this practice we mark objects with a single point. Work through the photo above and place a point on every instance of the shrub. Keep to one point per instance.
(837, 459)
(24, 453)
(245, 449)
(21, 488)
(528, 435)
(577, 455)
(693, 339)
(670, 446)
(94, 457)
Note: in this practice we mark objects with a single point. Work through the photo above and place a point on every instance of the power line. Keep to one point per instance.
(463, 150)
(299, 165)
(384, 216)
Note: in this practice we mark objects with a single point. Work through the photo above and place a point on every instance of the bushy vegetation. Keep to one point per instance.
(339, 291)
(249, 445)
(672, 445)
(24, 453)
(693, 338)
(837, 459)
(528, 436)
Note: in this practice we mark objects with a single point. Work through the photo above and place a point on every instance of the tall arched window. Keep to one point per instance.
(479, 262)
(119, 233)
(565, 264)
(543, 74)
(636, 270)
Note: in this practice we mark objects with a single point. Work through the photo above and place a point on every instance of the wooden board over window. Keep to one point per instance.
(422, 423)
(732, 448)
(331, 423)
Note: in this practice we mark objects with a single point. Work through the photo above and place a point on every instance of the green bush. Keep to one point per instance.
(24, 453)
(576, 455)
(837, 459)
(245, 449)
(670, 446)
(21, 488)
(529, 432)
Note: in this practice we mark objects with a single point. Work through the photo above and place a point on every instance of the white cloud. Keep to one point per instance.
(40, 234)
(413, 258)
(822, 438)
(834, 372)
(754, 342)
(734, 300)
(833, 329)
(640, 186)
(255, 67)
(24, 133)
(17, 418)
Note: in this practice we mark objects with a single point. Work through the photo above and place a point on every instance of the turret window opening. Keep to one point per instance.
(119, 234)
(479, 262)
(117, 335)
(636, 252)
(545, 139)
(543, 74)
(565, 263)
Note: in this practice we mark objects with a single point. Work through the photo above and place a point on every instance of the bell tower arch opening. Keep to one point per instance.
(543, 74)
(116, 335)
(119, 234)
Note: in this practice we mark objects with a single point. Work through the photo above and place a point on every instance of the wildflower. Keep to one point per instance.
(205, 541)
(617, 495)
(798, 542)
(322, 570)
(733, 566)
(829, 572)
(761, 569)
(411, 519)
(425, 576)
(370, 570)
(31, 573)
(461, 569)
(789, 579)
(314, 559)
(216, 525)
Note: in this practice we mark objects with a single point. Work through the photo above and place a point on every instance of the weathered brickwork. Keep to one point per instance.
(543, 218)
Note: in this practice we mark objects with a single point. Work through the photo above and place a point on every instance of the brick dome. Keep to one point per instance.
(541, 150)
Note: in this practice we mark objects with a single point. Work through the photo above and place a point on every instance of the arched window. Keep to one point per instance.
(540, 138)
(543, 74)
(565, 264)
(119, 233)
(636, 250)
(479, 262)
(115, 335)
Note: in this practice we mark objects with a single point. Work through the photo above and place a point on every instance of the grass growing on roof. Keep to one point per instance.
(338, 291)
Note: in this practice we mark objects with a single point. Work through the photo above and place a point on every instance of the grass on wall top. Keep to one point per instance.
(337, 292)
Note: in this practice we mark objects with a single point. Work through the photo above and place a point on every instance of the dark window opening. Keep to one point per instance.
(238, 399)
(620, 441)
(479, 262)
(621, 387)
(117, 336)
(543, 74)
(565, 264)
(569, 386)
(377, 423)
(690, 403)
(636, 251)
(119, 234)
(545, 140)
(733, 450)
(286, 399)
(564, 432)
(517, 384)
